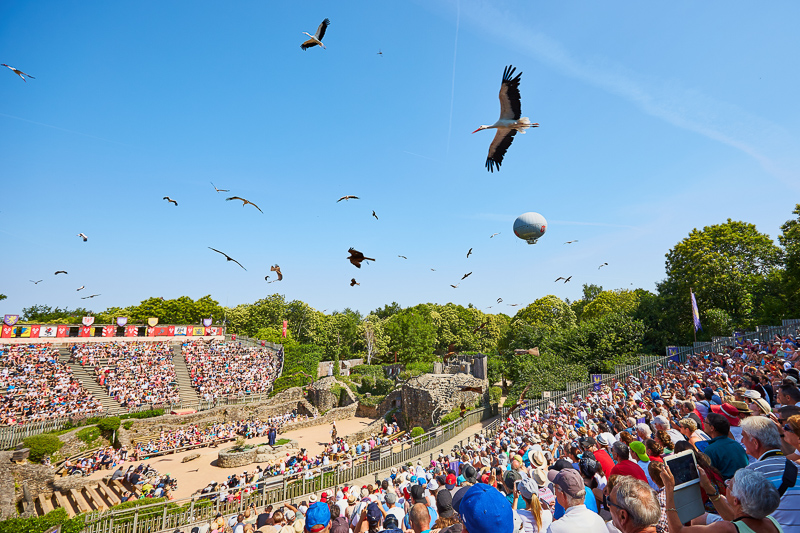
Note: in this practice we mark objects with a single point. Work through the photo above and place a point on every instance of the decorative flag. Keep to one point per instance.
(122, 321)
(62, 331)
(131, 331)
(35, 331)
(197, 331)
(285, 323)
(672, 353)
(88, 321)
(10, 320)
(85, 331)
(48, 331)
(695, 313)
(109, 331)
(597, 381)
(207, 321)
(152, 322)
(180, 330)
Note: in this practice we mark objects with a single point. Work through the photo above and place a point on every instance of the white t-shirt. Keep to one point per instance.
(529, 524)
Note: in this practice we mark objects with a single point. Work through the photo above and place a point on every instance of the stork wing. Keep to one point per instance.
(254, 205)
(235, 198)
(321, 30)
(510, 107)
(502, 140)
(308, 44)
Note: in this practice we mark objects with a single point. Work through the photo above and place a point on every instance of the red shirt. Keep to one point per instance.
(605, 460)
(628, 468)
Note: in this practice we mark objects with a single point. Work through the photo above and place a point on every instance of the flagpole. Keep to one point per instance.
(691, 292)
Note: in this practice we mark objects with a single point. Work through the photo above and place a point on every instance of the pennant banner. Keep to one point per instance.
(85, 331)
(695, 313)
(88, 320)
(207, 321)
(131, 331)
(121, 321)
(285, 323)
(6, 332)
(152, 322)
(109, 331)
(35, 331)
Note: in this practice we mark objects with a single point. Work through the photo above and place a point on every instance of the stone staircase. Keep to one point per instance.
(189, 396)
(97, 496)
(90, 383)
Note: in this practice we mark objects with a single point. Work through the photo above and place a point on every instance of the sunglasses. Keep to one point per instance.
(618, 506)
(789, 428)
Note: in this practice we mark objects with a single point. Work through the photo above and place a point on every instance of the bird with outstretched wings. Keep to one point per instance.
(218, 190)
(499, 300)
(468, 274)
(60, 272)
(483, 325)
(469, 253)
(83, 236)
(493, 234)
(244, 202)
(316, 39)
(373, 214)
(18, 72)
(348, 197)
(404, 257)
(354, 282)
(170, 200)
(36, 282)
(601, 266)
(87, 297)
(357, 257)
(570, 242)
(521, 399)
(455, 286)
(277, 270)
(229, 258)
(568, 279)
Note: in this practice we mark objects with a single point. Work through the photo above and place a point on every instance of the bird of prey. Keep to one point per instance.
(493, 234)
(499, 300)
(433, 270)
(316, 39)
(170, 200)
(218, 190)
(455, 286)
(509, 122)
(478, 390)
(559, 278)
(513, 305)
(601, 266)
(18, 72)
(87, 297)
(357, 257)
(477, 329)
(380, 53)
(490, 307)
(81, 288)
(277, 270)
(570, 242)
(244, 202)
(36, 282)
(468, 274)
(60, 272)
(83, 236)
(404, 257)
(229, 258)
(469, 253)
(373, 214)
(567, 280)
(348, 197)
(354, 282)
(521, 399)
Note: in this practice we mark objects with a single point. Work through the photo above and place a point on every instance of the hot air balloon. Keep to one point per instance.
(529, 227)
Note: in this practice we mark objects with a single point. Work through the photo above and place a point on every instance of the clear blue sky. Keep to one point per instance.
(655, 119)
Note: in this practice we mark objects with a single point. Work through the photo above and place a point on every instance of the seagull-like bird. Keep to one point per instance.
(18, 72)
(559, 278)
(229, 258)
(455, 286)
(469, 253)
(36, 282)
(468, 274)
(316, 39)
(357, 257)
(348, 197)
(83, 236)
(601, 266)
(60, 272)
(373, 214)
(570, 242)
(493, 234)
(81, 288)
(499, 300)
(509, 122)
(87, 297)
(354, 282)
(277, 270)
(404, 257)
(218, 190)
(170, 200)
(513, 305)
(244, 202)
(567, 280)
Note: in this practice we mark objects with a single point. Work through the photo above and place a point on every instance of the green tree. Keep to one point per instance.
(618, 301)
(44, 314)
(3, 297)
(376, 341)
(599, 344)
(549, 313)
(387, 310)
(590, 292)
(790, 240)
(412, 334)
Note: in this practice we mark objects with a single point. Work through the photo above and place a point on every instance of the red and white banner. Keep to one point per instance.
(48, 331)
(62, 331)
(162, 331)
(85, 331)
(109, 331)
(35, 332)
(6, 333)
(285, 323)
(214, 331)
(88, 320)
(131, 331)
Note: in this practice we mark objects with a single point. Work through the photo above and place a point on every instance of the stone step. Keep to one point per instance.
(90, 383)
(65, 504)
(189, 396)
(45, 503)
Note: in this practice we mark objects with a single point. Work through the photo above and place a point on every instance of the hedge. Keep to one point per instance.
(42, 445)
(109, 424)
(150, 413)
(375, 371)
(40, 524)
(417, 431)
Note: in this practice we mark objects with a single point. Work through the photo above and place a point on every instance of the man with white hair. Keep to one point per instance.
(644, 431)
(661, 422)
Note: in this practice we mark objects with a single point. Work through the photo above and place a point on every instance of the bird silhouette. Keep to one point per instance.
(469, 253)
(570, 242)
(567, 280)
(244, 202)
(316, 39)
(348, 197)
(559, 278)
(380, 53)
(513, 305)
(357, 257)
(19, 72)
(266, 278)
(277, 270)
(60, 272)
(87, 297)
(480, 327)
(433, 270)
(229, 258)
(601, 266)
(36, 282)
(218, 190)
(468, 274)
(81, 288)
(170, 200)
(493, 234)
(455, 286)
(404, 257)
(83, 236)
(373, 214)
(499, 300)
(354, 282)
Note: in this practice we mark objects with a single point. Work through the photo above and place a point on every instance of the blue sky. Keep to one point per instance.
(654, 120)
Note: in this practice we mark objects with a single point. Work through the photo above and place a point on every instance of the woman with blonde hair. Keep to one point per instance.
(535, 519)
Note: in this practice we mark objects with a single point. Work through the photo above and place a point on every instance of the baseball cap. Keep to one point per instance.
(289, 514)
(510, 477)
(418, 493)
(470, 474)
(569, 481)
(444, 503)
(318, 517)
(450, 481)
(485, 510)
(458, 496)
(527, 488)
(390, 522)
(639, 449)
(374, 514)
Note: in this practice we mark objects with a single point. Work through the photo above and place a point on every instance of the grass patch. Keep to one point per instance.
(281, 442)
(90, 436)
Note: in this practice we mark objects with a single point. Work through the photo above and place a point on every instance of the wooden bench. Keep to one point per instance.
(112, 498)
(83, 507)
(63, 502)
(45, 503)
(99, 504)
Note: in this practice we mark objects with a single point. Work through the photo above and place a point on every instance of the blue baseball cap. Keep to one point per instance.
(484, 510)
(318, 517)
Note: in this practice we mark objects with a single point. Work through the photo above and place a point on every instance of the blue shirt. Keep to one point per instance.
(726, 455)
(590, 501)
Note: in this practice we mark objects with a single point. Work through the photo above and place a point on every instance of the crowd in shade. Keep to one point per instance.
(146, 481)
(133, 373)
(220, 369)
(37, 386)
(599, 463)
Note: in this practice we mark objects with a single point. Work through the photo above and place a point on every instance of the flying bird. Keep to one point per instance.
(357, 257)
(468, 274)
(478, 390)
(170, 200)
(559, 278)
(218, 190)
(509, 122)
(266, 278)
(36, 282)
(468, 253)
(81, 288)
(348, 197)
(567, 280)
(477, 329)
(373, 214)
(229, 258)
(83, 236)
(277, 270)
(18, 72)
(244, 202)
(455, 286)
(433, 270)
(513, 305)
(601, 266)
(316, 39)
(60, 272)
(354, 282)
(499, 300)
(570, 242)
(380, 53)
(404, 257)
(521, 399)
(493, 234)
(87, 297)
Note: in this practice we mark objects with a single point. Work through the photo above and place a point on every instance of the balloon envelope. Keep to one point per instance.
(530, 226)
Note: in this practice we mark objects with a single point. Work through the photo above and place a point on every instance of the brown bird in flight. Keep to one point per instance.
(455, 286)
(499, 300)
(19, 72)
(468, 274)
(477, 329)
(404, 257)
(348, 197)
(570, 242)
(357, 257)
(601, 266)
(373, 214)
(229, 258)
(469, 253)
(170, 200)
(567, 280)
(354, 282)
(87, 297)
(218, 190)
(277, 270)
(244, 202)
(83, 236)
(521, 399)
(559, 278)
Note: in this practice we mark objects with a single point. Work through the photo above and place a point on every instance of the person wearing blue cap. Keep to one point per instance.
(484, 509)
(318, 518)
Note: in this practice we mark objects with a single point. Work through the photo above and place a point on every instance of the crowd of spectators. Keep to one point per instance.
(104, 458)
(147, 482)
(37, 386)
(133, 373)
(221, 369)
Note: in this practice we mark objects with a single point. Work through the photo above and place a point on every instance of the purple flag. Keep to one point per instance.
(695, 313)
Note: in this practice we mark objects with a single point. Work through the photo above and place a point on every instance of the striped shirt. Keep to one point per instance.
(788, 512)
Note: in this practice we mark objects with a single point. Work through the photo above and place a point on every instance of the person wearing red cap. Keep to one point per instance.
(731, 414)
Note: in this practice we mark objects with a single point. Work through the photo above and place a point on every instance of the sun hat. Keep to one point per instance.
(318, 517)
(752, 394)
(312, 499)
(486, 510)
(289, 514)
(638, 448)
(728, 411)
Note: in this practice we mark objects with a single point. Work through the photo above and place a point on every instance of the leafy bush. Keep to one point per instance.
(373, 400)
(109, 424)
(41, 524)
(89, 435)
(128, 424)
(452, 416)
(419, 368)
(150, 413)
(495, 393)
(383, 386)
(338, 391)
(42, 445)
(417, 431)
(376, 371)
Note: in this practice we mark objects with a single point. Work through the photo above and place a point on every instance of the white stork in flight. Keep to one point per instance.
(316, 39)
(509, 122)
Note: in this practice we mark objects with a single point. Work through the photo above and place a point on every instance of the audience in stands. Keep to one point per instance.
(230, 369)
